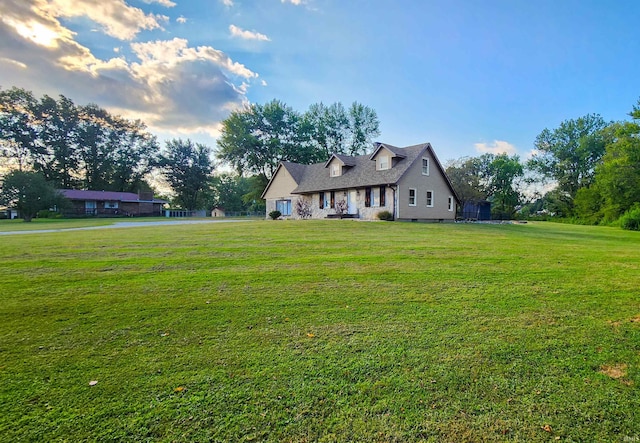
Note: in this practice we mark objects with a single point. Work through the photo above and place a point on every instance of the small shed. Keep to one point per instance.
(217, 212)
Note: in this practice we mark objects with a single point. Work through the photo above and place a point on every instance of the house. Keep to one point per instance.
(408, 182)
(109, 203)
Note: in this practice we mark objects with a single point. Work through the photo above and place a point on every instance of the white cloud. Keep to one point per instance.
(497, 147)
(263, 83)
(168, 84)
(166, 3)
(181, 20)
(228, 3)
(247, 35)
(117, 19)
(293, 2)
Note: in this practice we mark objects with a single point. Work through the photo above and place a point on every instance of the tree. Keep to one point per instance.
(187, 169)
(501, 174)
(256, 139)
(28, 192)
(228, 191)
(18, 133)
(617, 178)
(74, 145)
(570, 153)
(488, 177)
(364, 125)
(465, 175)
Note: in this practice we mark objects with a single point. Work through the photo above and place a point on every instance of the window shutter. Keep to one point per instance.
(383, 191)
(333, 199)
(367, 197)
(321, 201)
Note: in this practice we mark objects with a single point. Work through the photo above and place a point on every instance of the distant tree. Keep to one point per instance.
(333, 129)
(569, 154)
(256, 139)
(488, 177)
(74, 146)
(188, 168)
(617, 178)
(466, 176)
(18, 127)
(28, 192)
(364, 126)
(501, 175)
(228, 191)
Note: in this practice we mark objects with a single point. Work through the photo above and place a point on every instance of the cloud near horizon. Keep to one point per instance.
(170, 85)
(497, 147)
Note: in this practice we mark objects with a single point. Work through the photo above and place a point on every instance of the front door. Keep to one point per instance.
(352, 207)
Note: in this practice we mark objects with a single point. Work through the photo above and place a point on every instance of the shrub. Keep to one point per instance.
(45, 213)
(631, 219)
(385, 215)
(275, 215)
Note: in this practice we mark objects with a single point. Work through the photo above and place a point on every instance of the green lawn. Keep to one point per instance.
(321, 331)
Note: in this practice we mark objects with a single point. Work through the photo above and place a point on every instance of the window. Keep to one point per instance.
(284, 206)
(425, 166)
(90, 207)
(383, 162)
(383, 191)
(111, 205)
(429, 199)
(335, 170)
(368, 197)
(375, 197)
(450, 203)
(412, 197)
(321, 200)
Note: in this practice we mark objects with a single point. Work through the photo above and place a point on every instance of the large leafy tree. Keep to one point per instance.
(254, 140)
(28, 192)
(488, 177)
(501, 176)
(466, 175)
(18, 127)
(187, 168)
(617, 179)
(74, 146)
(569, 154)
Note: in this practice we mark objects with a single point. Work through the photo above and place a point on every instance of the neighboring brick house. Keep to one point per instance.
(408, 182)
(109, 203)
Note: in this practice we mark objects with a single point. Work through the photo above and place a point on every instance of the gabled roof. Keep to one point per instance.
(77, 194)
(397, 152)
(363, 173)
(346, 160)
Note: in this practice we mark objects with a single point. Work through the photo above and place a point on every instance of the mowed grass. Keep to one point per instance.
(321, 331)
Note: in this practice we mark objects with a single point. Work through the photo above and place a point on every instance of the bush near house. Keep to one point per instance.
(385, 215)
(274, 215)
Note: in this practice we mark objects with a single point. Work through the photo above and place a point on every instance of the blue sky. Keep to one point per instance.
(468, 76)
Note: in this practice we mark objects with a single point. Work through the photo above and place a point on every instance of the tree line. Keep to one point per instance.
(590, 167)
(53, 142)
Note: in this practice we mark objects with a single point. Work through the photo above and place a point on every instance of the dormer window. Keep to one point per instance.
(335, 170)
(383, 162)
